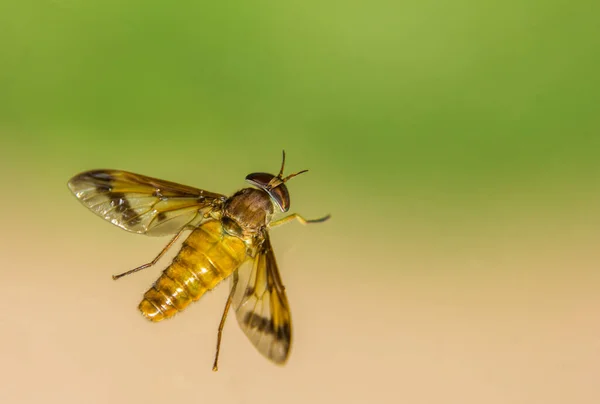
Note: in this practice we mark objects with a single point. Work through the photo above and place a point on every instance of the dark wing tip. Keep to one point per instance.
(92, 177)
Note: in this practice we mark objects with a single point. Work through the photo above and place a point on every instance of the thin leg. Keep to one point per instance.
(155, 260)
(222, 323)
(299, 218)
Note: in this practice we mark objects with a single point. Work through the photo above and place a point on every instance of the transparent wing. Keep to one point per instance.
(261, 306)
(141, 204)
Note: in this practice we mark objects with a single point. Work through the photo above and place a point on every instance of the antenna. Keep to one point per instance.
(293, 175)
(277, 181)
(282, 165)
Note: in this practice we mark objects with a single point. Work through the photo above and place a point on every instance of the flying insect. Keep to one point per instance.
(229, 239)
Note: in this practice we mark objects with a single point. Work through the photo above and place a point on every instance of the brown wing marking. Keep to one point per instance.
(142, 204)
(261, 306)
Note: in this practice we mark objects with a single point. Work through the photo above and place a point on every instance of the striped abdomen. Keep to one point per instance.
(208, 256)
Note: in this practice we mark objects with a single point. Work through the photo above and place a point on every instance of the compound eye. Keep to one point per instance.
(281, 196)
(261, 180)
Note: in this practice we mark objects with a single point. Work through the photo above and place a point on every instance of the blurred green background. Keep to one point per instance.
(454, 143)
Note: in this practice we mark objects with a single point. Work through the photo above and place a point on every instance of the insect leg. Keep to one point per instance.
(223, 318)
(299, 218)
(155, 260)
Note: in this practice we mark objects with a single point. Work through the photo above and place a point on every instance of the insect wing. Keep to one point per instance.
(141, 204)
(261, 306)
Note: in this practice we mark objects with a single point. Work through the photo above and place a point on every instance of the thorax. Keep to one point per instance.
(246, 212)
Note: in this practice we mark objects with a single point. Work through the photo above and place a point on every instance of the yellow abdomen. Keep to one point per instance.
(207, 256)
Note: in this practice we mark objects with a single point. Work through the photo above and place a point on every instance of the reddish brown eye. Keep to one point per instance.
(261, 180)
(280, 194)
